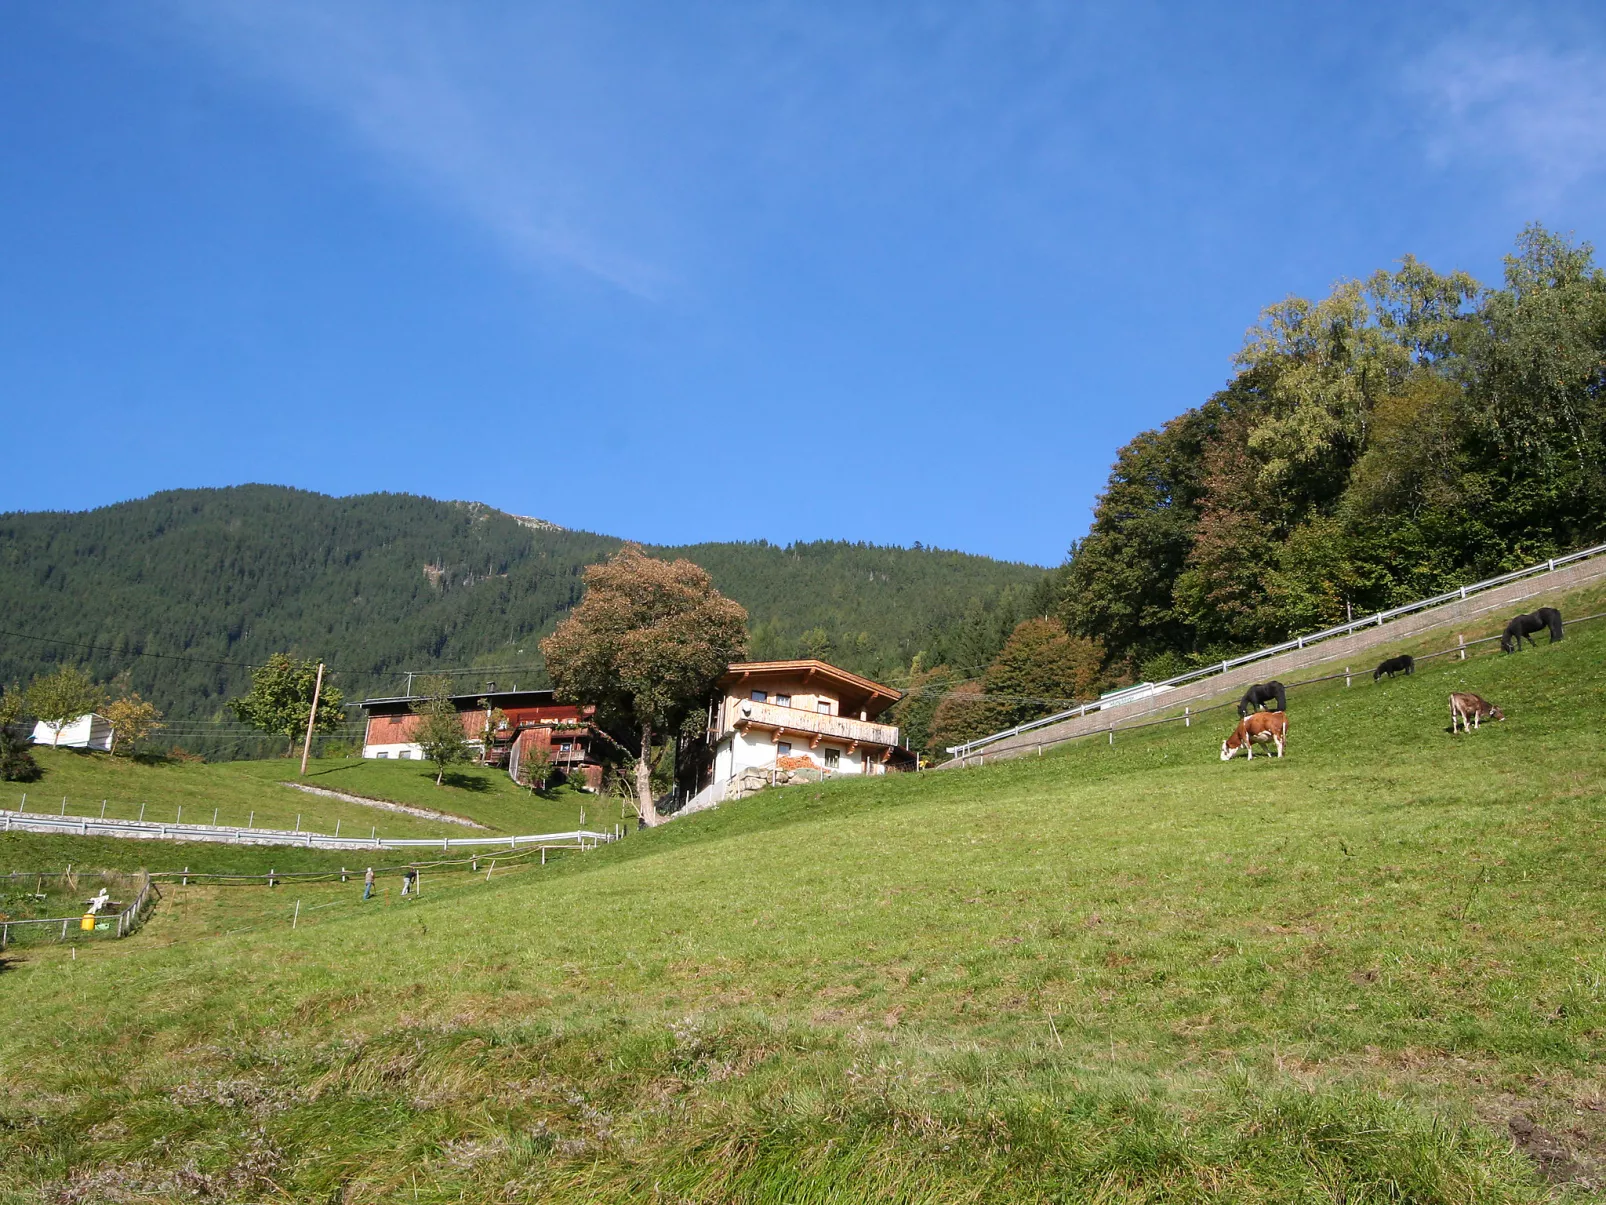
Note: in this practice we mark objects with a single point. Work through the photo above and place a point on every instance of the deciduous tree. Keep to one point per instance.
(132, 720)
(281, 699)
(1042, 669)
(645, 647)
(439, 728)
(58, 699)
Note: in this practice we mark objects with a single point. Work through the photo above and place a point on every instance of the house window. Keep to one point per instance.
(783, 700)
(381, 755)
(783, 750)
(823, 706)
(833, 759)
(395, 719)
(405, 755)
(565, 747)
(759, 696)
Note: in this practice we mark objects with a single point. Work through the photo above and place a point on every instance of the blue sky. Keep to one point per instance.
(695, 271)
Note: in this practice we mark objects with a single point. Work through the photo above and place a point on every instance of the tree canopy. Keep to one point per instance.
(280, 699)
(645, 648)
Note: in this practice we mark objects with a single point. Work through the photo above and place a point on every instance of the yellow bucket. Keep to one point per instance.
(88, 923)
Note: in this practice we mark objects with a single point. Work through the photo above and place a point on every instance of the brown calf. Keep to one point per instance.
(1466, 710)
(1265, 727)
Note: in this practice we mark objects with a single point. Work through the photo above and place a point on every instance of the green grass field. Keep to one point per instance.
(252, 792)
(1126, 973)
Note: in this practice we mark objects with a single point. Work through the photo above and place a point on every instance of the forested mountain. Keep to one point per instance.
(383, 583)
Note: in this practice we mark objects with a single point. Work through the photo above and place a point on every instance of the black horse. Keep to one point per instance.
(1524, 626)
(1403, 664)
(1264, 693)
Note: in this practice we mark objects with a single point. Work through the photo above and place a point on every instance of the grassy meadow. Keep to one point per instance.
(1371, 971)
(253, 792)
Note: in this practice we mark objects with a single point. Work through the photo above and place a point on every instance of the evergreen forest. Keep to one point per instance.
(182, 591)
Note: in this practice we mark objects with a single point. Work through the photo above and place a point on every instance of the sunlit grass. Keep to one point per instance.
(1112, 973)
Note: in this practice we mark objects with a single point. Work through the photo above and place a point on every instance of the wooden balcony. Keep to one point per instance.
(812, 724)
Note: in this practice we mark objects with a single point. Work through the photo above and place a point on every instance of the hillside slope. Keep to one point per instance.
(380, 583)
(1128, 973)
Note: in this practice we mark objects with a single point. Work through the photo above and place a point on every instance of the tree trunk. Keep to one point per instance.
(649, 814)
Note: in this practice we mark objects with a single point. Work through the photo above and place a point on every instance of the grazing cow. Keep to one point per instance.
(1403, 664)
(1467, 709)
(1264, 727)
(1523, 626)
(1264, 693)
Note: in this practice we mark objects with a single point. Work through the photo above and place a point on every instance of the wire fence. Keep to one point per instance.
(92, 923)
(1459, 650)
(961, 753)
(92, 826)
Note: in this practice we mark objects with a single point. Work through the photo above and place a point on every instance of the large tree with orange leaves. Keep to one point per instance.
(645, 647)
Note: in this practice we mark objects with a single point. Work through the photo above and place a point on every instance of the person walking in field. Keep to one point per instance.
(368, 883)
(407, 883)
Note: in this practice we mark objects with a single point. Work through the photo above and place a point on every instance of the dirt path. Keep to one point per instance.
(386, 805)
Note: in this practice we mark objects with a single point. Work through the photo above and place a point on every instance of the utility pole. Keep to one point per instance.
(312, 716)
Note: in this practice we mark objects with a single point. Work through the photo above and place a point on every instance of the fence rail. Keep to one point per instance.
(89, 826)
(960, 752)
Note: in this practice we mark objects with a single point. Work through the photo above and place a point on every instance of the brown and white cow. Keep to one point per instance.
(1262, 727)
(1467, 709)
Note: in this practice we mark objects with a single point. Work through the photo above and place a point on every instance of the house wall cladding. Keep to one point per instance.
(1462, 615)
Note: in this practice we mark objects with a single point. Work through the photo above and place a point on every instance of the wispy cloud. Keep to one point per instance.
(490, 122)
(1534, 113)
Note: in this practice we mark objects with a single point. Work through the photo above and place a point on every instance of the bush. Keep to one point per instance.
(16, 762)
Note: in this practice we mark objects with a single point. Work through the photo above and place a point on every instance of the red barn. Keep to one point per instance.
(530, 719)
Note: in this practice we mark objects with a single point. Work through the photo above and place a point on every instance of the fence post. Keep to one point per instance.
(1346, 677)
(297, 916)
(179, 819)
(1112, 732)
(142, 812)
(270, 876)
(185, 881)
(63, 805)
(1187, 717)
(103, 809)
(1461, 646)
(252, 820)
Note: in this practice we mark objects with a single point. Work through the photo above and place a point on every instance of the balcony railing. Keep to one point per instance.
(796, 719)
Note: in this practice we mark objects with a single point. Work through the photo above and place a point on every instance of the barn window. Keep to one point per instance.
(783, 700)
(783, 750)
(759, 696)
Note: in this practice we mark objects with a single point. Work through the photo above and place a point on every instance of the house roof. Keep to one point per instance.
(862, 693)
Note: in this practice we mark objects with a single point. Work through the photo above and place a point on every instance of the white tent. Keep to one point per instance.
(86, 732)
